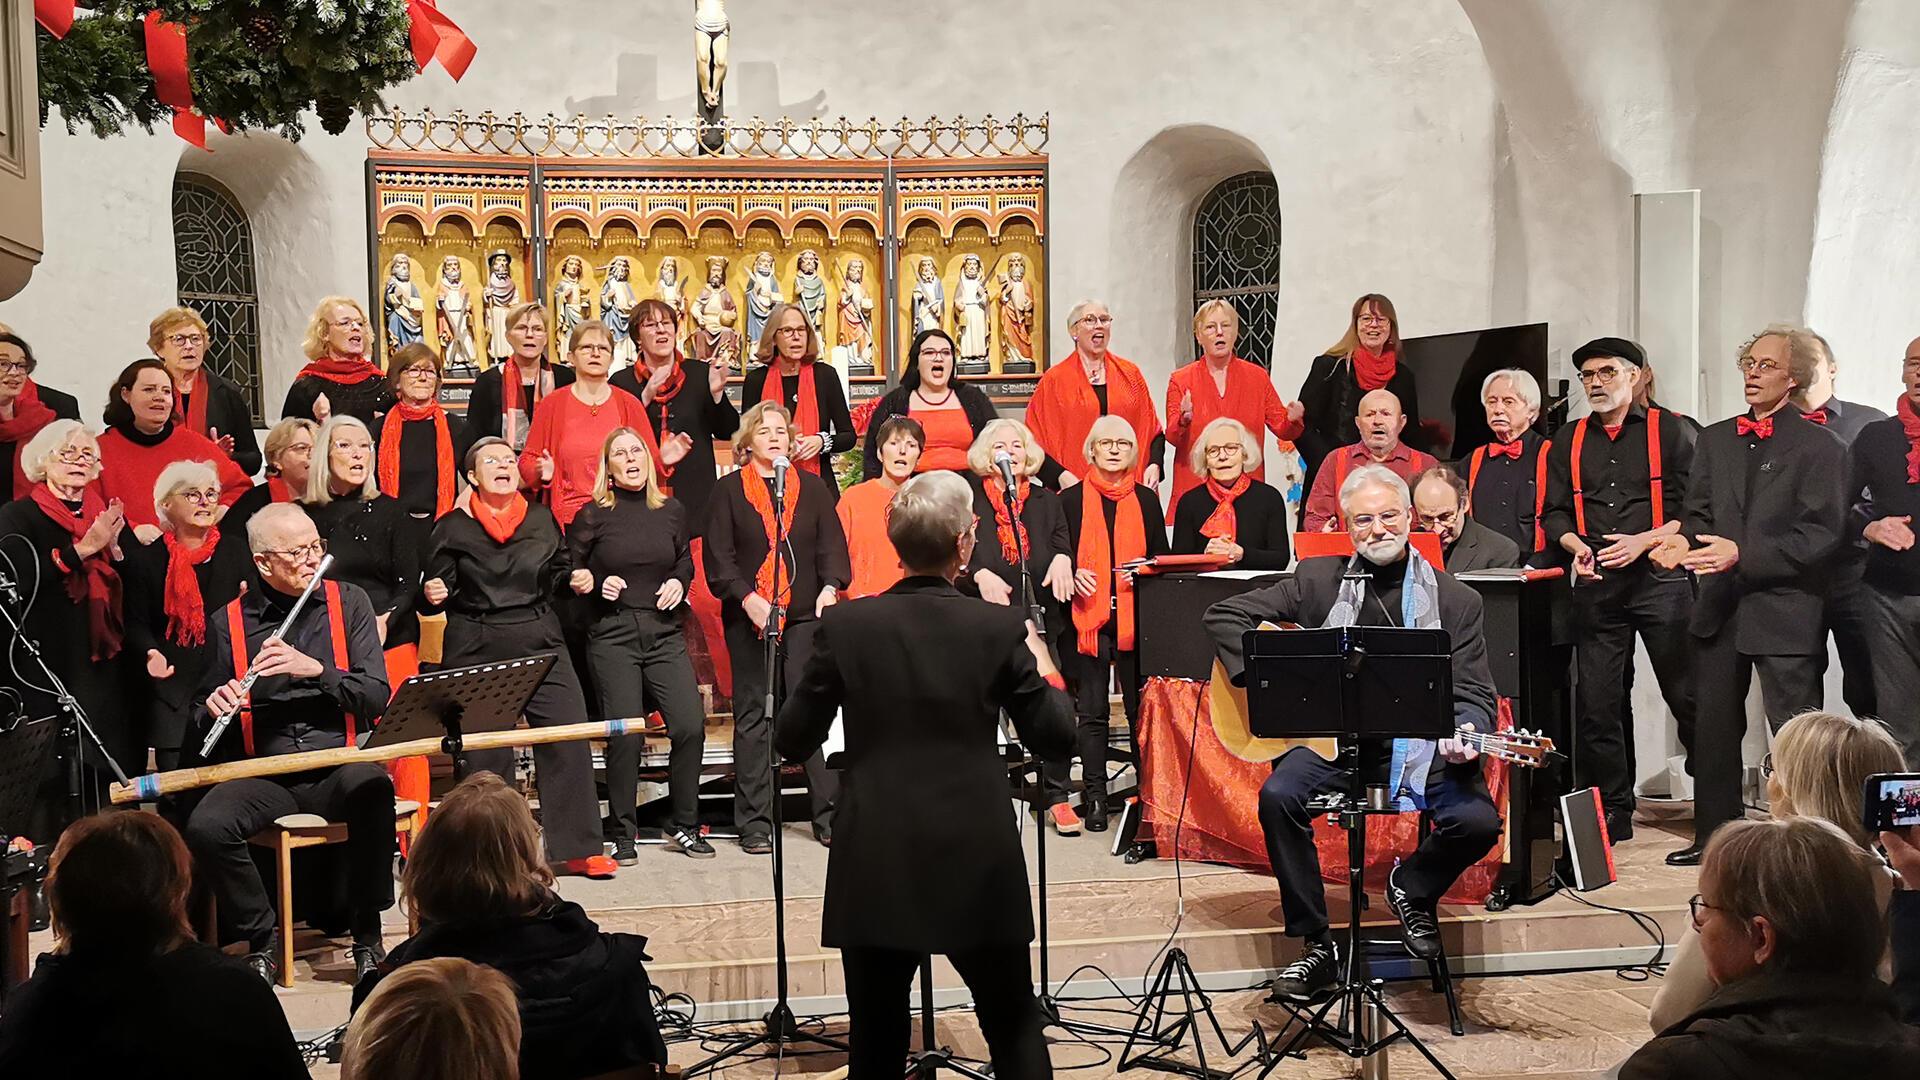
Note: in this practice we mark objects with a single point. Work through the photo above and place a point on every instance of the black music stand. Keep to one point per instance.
(454, 703)
(1351, 683)
(23, 759)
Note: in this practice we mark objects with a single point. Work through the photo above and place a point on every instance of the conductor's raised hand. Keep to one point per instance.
(279, 658)
(1042, 659)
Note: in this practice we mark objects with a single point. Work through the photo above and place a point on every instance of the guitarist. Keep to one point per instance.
(1399, 589)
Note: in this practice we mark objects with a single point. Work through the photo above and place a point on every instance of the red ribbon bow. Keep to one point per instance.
(1817, 416)
(435, 37)
(55, 15)
(1505, 449)
(1749, 426)
(167, 59)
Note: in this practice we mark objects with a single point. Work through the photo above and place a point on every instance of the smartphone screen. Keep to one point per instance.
(1892, 801)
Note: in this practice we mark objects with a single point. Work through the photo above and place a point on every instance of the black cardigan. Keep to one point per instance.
(143, 575)
(1074, 506)
(834, 417)
(1261, 512)
(736, 544)
(1331, 396)
(483, 400)
(973, 401)
(694, 412)
(374, 546)
(369, 399)
(229, 413)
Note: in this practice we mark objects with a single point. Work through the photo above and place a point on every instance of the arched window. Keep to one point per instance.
(1236, 256)
(213, 268)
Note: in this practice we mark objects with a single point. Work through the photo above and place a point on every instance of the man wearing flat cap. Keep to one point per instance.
(1616, 488)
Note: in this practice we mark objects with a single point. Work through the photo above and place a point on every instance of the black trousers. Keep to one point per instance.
(562, 772)
(1788, 685)
(1850, 615)
(361, 795)
(1087, 677)
(1894, 635)
(880, 1018)
(1465, 826)
(1637, 600)
(753, 788)
(640, 663)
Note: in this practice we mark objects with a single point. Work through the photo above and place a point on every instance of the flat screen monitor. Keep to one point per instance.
(1448, 370)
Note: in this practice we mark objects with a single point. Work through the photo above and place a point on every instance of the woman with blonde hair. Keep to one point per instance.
(204, 402)
(482, 892)
(338, 378)
(367, 532)
(439, 1019)
(1818, 769)
(1366, 358)
(632, 553)
(809, 391)
(1221, 385)
(288, 453)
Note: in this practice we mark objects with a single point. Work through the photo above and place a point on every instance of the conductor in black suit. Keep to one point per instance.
(927, 854)
(1765, 510)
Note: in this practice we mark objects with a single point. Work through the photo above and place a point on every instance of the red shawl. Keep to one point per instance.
(761, 499)
(387, 468)
(94, 583)
(1129, 542)
(195, 393)
(1064, 407)
(345, 370)
(806, 407)
(1910, 424)
(186, 610)
(277, 490)
(1224, 523)
(1006, 521)
(1372, 371)
(500, 522)
(510, 396)
(30, 414)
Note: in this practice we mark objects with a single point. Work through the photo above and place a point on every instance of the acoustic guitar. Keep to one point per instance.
(1228, 705)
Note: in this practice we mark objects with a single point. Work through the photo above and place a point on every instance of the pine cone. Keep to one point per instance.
(263, 32)
(335, 113)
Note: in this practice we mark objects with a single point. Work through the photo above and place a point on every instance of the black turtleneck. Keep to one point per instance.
(373, 547)
(641, 544)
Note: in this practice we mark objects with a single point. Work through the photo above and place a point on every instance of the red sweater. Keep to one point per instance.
(130, 464)
(573, 434)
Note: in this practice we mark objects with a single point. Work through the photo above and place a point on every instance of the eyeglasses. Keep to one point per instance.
(936, 354)
(1217, 327)
(200, 496)
(1445, 517)
(1390, 518)
(1749, 366)
(422, 370)
(1224, 450)
(1600, 374)
(181, 341)
(1695, 905)
(350, 323)
(1113, 444)
(76, 455)
(1095, 320)
(302, 553)
(794, 330)
(13, 367)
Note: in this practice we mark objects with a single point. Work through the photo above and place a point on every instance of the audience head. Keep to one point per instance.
(590, 350)
(656, 331)
(625, 464)
(64, 455)
(1374, 326)
(1512, 400)
(1216, 326)
(286, 547)
(787, 337)
(289, 451)
(414, 373)
(1111, 447)
(442, 1018)
(527, 332)
(898, 440)
(1375, 504)
(1224, 450)
(186, 495)
(1775, 363)
(478, 857)
(1821, 762)
(1380, 421)
(929, 362)
(1440, 499)
(117, 885)
(16, 366)
(1090, 325)
(1788, 895)
(931, 524)
(1610, 368)
(338, 328)
(344, 461)
(493, 468)
(179, 337)
(1009, 435)
(763, 434)
(141, 398)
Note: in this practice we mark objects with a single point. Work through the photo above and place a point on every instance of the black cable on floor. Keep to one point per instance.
(1655, 967)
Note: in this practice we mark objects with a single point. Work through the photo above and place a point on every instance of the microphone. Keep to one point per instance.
(1004, 462)
(780, 467)
(1353, 567)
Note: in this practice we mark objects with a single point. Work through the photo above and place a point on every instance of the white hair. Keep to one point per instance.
(174, 478)
(265, 527)
(1110, 426)
(1524, 384)
(47, 442)
(1083, 307)
(1373, 475)
(320, 476)
(1249, 446)
(927, 515)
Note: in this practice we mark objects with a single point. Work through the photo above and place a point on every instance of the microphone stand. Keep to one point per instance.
(77, 726)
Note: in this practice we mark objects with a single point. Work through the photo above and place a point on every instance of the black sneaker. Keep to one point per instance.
(367, 958)
(689, 843)
(757, 844)
(624, 852)
(1310, 978)
(1418, 926)
(265, 966)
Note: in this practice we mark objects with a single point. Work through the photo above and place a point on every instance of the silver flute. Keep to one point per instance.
(253, 670)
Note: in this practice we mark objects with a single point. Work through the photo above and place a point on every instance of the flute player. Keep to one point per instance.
(316, 687)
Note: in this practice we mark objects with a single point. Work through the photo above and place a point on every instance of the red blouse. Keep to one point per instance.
(949, 437)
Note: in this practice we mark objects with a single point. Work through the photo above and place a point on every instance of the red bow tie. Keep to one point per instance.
(1817, 416)
(1505, 449)
(1749, 426)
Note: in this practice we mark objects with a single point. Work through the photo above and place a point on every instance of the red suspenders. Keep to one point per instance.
(1539, 488)
(237, 631)
(1657, 487)
(1341, 464)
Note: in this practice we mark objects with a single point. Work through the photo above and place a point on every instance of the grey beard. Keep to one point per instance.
(1382, 552)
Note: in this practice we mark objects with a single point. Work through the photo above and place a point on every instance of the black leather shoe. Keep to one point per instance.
(1095, 818)
(1619, 826)
(265, 966)
(824, 834)
(366, 959)
(1310, 978)
(1419, 928)
(1687, 856)
(757, 844)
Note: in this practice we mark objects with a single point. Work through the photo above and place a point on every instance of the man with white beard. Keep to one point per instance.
(1396, 588)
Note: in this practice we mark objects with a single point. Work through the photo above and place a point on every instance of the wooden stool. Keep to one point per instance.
(296, 831)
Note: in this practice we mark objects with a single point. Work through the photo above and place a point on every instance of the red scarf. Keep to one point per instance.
(806, 408)
(186, 610)
(510, 396)
(1090, 613)
(345, 370)
(387, 469)
(1910, 424)
(761, 499)
(1064, 406)
(500, 522)
(1224, 523)
(1372, 371)
(1012, 530)
(195, 394)
(674, 384)
(30, 414)
(278, 491)
(94, 582)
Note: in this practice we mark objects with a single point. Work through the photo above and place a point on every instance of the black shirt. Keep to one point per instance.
(643, 545)
(1330, 397)
(1505, 493)
(1878, 466)
(1047, 536)
(694, 412)
(1074, 504)
(828, 398)
(1848, 419)
(143, 574)
(373, 548)
(420, 461)
(487, 578)
(1615, 475)
(736, 543)
(1261, 515)
(369, 399)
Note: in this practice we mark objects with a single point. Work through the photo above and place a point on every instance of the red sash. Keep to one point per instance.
(237, 630)
(1657, 487)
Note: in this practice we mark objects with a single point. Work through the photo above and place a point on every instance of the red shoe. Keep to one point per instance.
(598, 867)
(1064, 820)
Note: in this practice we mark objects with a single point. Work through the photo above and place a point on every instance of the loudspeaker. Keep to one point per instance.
(1589, 849)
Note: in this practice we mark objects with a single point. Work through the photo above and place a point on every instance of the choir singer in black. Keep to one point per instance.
(928, 859)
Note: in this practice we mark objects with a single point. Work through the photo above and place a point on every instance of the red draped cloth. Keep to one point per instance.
(1222, 806)
(412, 776)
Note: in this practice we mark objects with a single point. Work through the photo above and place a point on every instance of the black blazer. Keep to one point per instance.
(229, 413)
(1480, 548)
(693, 411)
(736, 544)
(925, 856)
(1789, 529)
(64, 405)
(1262, 515)
(1331, 395)
(973, 401)
(169, 702)
(835, 419)
(483, 400)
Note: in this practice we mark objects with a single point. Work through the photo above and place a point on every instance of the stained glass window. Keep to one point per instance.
(1236, 256)
(213, 268)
